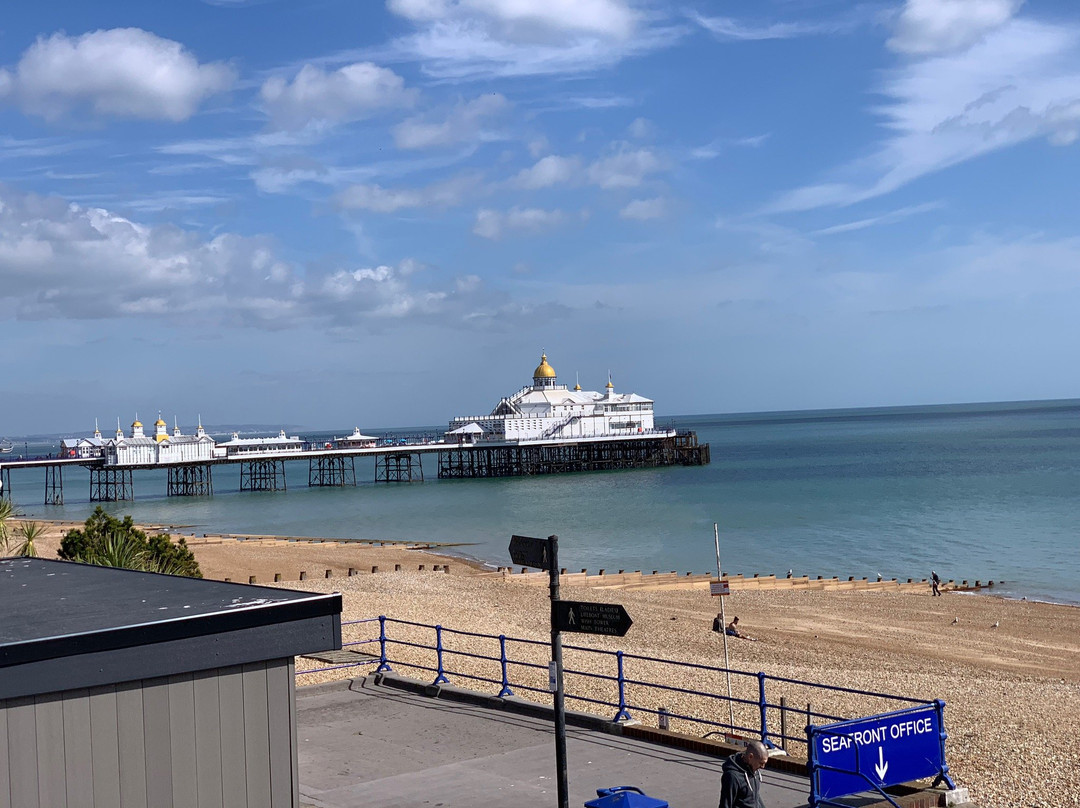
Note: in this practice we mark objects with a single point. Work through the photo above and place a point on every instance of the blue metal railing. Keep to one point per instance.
(763, 702)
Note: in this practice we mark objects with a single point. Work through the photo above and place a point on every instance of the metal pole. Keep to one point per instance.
(556, 657)
(723, 631)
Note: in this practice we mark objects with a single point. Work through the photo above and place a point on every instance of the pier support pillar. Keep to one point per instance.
(332, 471)
(400, 467)
(191, 481)
(54, 485)
(111, 485)
(262, 475)
(5, 482)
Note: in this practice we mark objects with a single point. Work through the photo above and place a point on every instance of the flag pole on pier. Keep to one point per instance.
(723, 630)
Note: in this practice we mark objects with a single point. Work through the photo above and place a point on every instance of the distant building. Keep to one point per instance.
(356, 441)
(138, 449)
(238, 447)
(549, 411)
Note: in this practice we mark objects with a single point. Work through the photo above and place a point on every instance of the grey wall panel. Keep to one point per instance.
(105, 747)
(5, 771)
(292, 731)
(129, 724)
(22, 753)
(49, 713)
(256, 736)
(157, 743)
(282, 750)
(78, 761)
(207, 740)
(182, 740)
(233, 755)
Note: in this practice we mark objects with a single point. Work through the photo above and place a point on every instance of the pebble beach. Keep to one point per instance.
(1008, 670)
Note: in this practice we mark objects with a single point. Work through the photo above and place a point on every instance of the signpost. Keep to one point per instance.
(592, 618)
(588, 618)
(871, 753)
(719, 588)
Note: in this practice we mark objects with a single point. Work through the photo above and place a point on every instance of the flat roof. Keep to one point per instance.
(55, 610)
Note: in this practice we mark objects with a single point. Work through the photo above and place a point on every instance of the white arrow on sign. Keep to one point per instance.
(882, 768)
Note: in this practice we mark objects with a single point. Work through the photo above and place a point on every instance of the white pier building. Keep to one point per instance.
(139, 449)
(549, 411)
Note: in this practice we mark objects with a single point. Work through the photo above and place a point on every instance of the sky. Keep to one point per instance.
(339, 213)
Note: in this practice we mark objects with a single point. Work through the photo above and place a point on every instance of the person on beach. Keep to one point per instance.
(935, 585)
(740, 783)
(732, 629)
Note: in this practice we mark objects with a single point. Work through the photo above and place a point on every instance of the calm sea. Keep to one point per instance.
(988, 492)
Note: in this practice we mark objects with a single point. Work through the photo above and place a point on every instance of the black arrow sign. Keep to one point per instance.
(591, 618)
(530, 552)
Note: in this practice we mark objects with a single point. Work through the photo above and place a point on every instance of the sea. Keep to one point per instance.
(973, 491)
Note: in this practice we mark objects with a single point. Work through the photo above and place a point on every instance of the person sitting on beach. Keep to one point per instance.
(732, 630)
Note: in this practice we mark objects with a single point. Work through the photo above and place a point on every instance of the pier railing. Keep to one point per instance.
(670, 694)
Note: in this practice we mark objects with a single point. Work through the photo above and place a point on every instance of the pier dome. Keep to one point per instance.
(544, 370)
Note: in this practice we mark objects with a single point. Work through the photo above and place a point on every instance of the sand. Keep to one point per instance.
(1012, 692)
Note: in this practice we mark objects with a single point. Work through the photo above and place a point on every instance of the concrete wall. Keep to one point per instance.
(223, 738)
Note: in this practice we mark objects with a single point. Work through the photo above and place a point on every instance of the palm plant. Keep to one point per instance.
(6, 512)
(26, 534)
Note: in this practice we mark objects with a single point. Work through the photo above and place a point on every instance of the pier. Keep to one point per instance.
(398, 463)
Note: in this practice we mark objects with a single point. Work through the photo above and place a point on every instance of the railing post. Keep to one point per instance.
(506, 691)
(384, 663)
(783, 723)
(440, 677)
(762, 705)
(811, 763)
(622, 714)
(944, 775)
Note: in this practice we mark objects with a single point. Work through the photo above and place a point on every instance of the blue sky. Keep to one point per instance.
(379, 213)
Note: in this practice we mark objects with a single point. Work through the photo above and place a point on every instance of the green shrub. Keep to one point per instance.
(110, 542)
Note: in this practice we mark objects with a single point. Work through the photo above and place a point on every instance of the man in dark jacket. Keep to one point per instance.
(740, 784)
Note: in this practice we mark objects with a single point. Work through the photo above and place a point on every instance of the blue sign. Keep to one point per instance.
(885, 750)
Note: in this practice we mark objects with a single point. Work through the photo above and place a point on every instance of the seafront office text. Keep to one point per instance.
(863, 737)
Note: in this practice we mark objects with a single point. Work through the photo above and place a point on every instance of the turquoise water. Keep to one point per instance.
(988, 492)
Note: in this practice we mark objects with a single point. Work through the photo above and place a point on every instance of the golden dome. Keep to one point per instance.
(544, 370)
(159, 422)
(609, 385)
(136, 424)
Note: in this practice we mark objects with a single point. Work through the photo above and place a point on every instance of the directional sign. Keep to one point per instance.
(719, 588)
(530, 552)
(888, 749)
(591, 618)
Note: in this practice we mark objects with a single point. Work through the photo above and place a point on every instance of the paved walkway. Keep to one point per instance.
(380, 747)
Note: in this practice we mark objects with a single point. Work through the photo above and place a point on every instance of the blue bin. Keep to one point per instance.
(624, 797)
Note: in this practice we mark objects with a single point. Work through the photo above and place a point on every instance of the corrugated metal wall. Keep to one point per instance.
(223, 738)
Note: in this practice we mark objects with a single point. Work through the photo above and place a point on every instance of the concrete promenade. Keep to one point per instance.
(372, 746)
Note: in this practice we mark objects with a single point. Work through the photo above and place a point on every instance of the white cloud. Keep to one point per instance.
(121, 72)
(350, 93)
(927, 27)
(608, 18)
(548, 171)
(625, 168)
(63, 261)
(1019, 82)
(642, 209)
(730, 29)
(465, 123)
(885, 218)
(492, 224)
(642, 129)
(471, 39)
(387, 200)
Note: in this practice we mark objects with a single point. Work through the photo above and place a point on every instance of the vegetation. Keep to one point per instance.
(22, 537)
(110, 542)
(6, 510)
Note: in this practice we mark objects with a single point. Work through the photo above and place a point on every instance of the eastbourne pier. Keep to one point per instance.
(544, 428)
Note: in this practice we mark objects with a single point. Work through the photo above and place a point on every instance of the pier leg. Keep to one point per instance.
(262, 475)
(403, 467)
(54, 485)
(331, 471)
(190, 481)
(5, 482)
(111, 485)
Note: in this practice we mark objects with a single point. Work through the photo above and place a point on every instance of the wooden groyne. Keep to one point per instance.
(737, 583)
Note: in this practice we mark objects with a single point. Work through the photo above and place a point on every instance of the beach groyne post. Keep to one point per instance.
(384, 663)
(622, 714)
(505, 691)
(440, 674)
